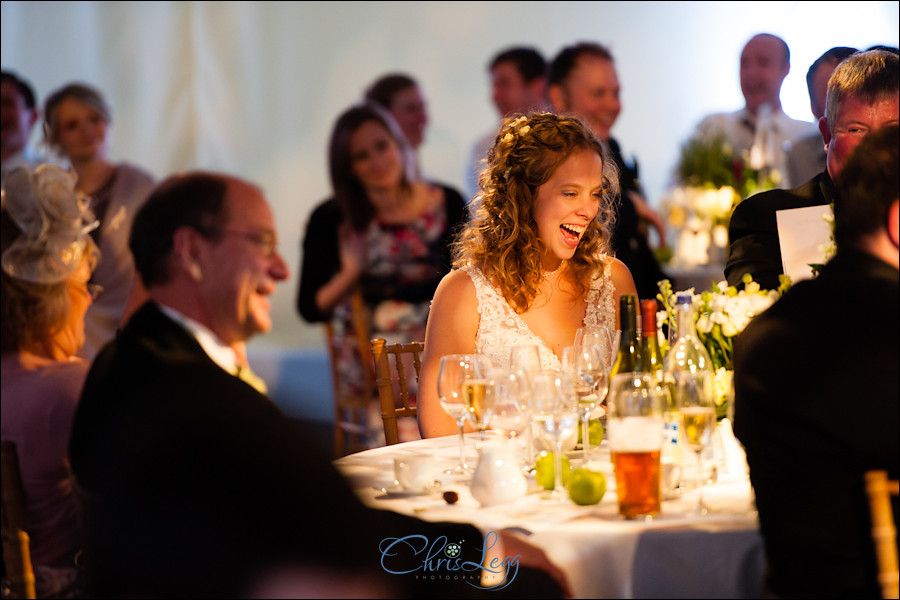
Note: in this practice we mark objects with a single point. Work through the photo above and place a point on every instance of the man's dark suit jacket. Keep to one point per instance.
(192, 481)
(816, 405)
(753, 230)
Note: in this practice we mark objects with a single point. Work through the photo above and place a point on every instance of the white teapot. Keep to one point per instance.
(498, 479)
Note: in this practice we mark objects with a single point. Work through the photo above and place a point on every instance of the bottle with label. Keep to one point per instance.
(651, 355)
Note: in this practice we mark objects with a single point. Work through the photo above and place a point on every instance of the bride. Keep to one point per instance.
(533, 265)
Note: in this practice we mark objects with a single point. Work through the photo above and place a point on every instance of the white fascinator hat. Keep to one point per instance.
(55, 222)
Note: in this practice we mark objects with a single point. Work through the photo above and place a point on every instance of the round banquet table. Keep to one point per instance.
(674, 555)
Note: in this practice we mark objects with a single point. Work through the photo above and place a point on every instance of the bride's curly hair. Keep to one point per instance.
(502, 239)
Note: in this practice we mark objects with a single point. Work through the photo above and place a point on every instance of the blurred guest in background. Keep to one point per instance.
(18, 114)
(193, 483)
(401, 96)
(806, 156)
(76, 124)
(47, 259)
(862, 97)
(518, 85)
(534, 263)
(815, 405)
(761, 128)
(384, 232)
(583, 80)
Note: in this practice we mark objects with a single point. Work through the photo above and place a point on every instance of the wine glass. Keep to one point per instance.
(556, 409)
(587, 367)
(478, 395)
(693, 396)
(510, 417)
(597, 335)
(454, 371)
(525, 361)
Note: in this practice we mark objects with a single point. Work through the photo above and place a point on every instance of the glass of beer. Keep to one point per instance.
(635, 426)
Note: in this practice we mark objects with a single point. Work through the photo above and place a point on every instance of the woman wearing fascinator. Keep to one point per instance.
(534, 264)
(47, 257)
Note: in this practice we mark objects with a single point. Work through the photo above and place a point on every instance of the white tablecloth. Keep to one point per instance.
(675, 555)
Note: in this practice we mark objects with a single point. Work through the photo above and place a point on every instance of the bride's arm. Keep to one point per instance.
(451, 329)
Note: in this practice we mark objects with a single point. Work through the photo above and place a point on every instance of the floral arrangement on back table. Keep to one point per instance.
(721, 312)
(712, 180)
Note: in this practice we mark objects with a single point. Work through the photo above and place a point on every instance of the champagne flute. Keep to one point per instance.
(526, 362)
(479, 399)
(693, 395)
(557, 412)
(454, 371)
(587, 367)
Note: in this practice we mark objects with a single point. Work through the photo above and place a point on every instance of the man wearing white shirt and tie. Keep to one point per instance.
(761, 127)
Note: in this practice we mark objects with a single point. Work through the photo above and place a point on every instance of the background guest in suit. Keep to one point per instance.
(582, 80)
(193, 482)
(761, 128)
(806, 156)
(47, 259)
(18, 114)
(862, 98)
(385, 232)
(815, 405)
(76, 123)
(518, 86)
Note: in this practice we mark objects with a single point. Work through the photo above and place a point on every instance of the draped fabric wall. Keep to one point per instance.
(253, 88)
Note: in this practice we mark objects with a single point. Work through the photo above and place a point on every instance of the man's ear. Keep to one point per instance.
(825, 131)
(893, 223)
(187, 251)
(557, 97)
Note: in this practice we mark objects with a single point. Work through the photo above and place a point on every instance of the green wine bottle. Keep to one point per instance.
(628, 355)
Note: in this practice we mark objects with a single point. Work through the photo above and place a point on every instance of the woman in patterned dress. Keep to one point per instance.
(384, 232)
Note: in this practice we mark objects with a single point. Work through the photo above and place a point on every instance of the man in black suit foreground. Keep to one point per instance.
(862, 97)
(816, 404)
(193, 483)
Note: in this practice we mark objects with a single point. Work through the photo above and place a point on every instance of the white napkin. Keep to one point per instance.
(733, 465)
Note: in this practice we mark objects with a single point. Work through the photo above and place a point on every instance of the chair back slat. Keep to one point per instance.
(351, 409)
(16, 543)
(386, 377)
(884, 531)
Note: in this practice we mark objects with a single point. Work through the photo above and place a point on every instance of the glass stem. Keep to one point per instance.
(585, 439)
(462, 447)
(557, 468)
(699, 509)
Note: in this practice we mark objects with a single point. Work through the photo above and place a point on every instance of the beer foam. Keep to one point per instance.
(635, 434)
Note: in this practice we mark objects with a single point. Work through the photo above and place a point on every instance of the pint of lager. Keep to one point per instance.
(635, 442)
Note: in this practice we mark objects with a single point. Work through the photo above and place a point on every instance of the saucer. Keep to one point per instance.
(395, 491)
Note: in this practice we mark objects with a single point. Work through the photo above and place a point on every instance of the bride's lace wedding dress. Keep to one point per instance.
(500, 328)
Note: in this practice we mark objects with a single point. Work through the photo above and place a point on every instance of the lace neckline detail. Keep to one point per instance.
(500, 327)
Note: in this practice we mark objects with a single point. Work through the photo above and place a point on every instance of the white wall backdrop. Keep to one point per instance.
(253, 88)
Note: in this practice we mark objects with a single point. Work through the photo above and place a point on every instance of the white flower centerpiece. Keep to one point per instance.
(721, 312)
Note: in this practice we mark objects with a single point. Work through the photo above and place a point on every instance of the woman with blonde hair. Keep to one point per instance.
(77, 120)
(47, 260)
(534, 263)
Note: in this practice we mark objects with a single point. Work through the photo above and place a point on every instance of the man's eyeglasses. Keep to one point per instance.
(265, 240)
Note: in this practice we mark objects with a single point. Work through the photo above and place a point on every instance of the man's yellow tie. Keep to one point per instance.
(251, 378)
